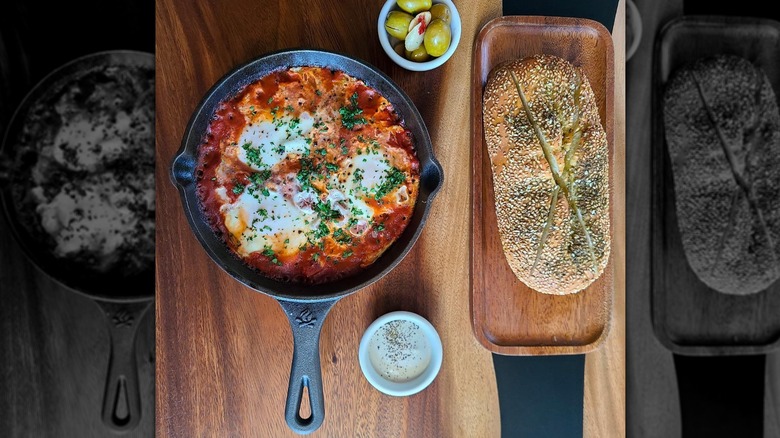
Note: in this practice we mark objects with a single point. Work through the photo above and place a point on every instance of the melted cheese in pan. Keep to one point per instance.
(283, 217)
(313, 167)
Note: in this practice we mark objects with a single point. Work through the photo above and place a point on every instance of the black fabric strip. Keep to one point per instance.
(540, 396)
(721, 396)
(602, 11)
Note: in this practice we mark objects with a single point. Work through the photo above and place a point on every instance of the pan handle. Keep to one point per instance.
(121, 399)
(183, 169)
(306, 320)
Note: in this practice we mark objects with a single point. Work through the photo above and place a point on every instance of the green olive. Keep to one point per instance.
(440, 11)
(414, 6)
(437, 38)
(400, 49)
(417, 55)
(397, 24)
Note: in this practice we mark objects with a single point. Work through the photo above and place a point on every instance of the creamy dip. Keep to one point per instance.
(399, 351)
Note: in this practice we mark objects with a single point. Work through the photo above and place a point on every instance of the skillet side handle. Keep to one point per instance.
(306, 320)
(183, 169)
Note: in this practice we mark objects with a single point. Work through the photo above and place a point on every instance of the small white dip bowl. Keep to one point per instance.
(409, 387)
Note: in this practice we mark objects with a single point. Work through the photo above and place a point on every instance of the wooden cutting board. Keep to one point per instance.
(509, 317)
(688, 316)
(224, 351)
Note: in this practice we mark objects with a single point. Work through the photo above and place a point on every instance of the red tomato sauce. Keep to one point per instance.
(316, 91)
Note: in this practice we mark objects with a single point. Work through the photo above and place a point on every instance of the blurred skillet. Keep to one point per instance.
(124, 301)
(306, 306)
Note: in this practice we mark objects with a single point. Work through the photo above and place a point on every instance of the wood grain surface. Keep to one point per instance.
(55, 346)
(224, 351)
(54, 343)
(688, 316)
(652, 408)
(508, 316)
(605, 368)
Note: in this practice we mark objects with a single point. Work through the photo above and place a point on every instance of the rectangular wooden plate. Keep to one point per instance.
(507, 316)
(689, 317)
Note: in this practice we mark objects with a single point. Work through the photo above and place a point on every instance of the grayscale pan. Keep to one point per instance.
(703, 255)
(78, 225)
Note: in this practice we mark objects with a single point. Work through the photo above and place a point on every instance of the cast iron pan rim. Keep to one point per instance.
(192, 204)
(5, 196)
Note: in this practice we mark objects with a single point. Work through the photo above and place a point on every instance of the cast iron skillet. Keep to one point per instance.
(124, 301)
(305, 305)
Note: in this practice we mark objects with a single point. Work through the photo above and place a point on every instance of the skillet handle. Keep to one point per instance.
(122, 399)
(306, 320)
(183, 169)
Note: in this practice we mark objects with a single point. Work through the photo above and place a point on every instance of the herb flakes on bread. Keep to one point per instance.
(550, 165)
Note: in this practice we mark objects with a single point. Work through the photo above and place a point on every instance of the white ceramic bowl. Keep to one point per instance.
(415, 385)
(385, 38)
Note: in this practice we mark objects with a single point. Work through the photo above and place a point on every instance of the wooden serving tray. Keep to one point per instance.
(688, 316)
(507, 316)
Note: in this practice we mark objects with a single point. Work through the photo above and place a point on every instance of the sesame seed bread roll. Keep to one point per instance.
(550, 165)
(722, 128)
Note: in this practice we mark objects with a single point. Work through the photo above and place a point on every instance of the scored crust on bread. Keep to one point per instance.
(550, 165)
(722, 129)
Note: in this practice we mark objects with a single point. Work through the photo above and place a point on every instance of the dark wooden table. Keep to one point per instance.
(653, 408)
(54, 343)
(224, 351)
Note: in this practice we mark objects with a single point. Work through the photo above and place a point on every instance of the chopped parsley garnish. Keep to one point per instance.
(332, 167)
(278, 149)
(351, 114)
(259, 178)
(394, 178)
(341, 236)
(265, 192)
(322, 151)
(289, 108)
(357, 176)
(356, 211)
(321, 231)
(263, 212)
(347, 253)
(252, 109)
(318, 92)
(344, 150)
(238, 189)
(253, 155)
(270, 99)
(379, 227)
(306, 172)
(269, 252)
(325, 211)
(315, 256)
